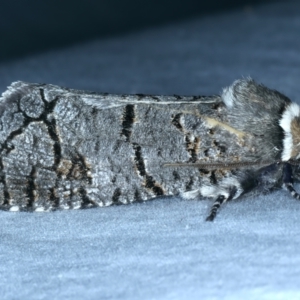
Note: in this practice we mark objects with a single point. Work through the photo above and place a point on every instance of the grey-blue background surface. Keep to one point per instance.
(30, 26)
(164, 249)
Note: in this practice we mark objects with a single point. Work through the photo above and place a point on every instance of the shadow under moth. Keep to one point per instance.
(68, 149)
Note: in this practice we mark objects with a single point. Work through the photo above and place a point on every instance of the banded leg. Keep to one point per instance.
(232, 190)
(288, 182)
(215, 207)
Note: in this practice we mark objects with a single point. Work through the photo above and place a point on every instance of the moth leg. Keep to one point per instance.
(288, 181)
(231, 191)
(215, 207)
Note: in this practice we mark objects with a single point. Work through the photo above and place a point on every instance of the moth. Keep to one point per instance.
(68, 149)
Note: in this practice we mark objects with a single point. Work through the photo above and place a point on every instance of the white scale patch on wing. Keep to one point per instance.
(291, 112)
(14, 208)
(227, 96)
(212, 191)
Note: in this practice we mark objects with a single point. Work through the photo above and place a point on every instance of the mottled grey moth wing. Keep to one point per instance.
(68, 149)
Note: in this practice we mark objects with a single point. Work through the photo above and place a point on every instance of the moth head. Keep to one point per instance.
(290, 123)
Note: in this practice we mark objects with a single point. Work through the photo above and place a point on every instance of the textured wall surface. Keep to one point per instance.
(164, 249)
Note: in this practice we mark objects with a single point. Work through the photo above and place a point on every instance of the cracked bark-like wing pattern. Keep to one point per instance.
(68, 149)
